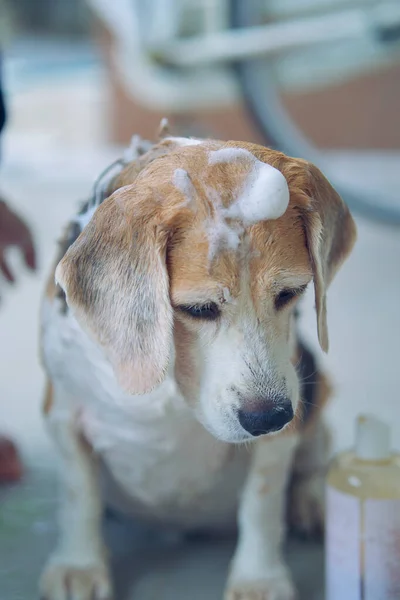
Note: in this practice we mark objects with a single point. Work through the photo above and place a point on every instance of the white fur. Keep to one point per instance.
(80, 557)
(226, 357)
(176, 461)
(258, 564)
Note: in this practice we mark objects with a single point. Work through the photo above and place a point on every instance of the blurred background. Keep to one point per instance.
(316, 78)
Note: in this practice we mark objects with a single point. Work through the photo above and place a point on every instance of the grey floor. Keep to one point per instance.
(53, 151)
(146, 565)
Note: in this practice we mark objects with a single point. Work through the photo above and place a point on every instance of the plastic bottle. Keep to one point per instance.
(363, 518)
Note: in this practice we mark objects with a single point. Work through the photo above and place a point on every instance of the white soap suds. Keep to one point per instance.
(182, 141)
(222, 236)
(183, 183)
(264, 195)
(227, 155)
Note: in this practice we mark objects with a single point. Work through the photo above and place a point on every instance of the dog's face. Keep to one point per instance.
(210, 247)
(232, 326)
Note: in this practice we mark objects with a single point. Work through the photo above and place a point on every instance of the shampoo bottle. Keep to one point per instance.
(363, 518)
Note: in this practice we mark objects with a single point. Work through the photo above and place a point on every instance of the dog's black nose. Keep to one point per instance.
(272, 418)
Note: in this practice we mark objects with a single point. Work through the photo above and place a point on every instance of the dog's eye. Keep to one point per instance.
(209, 311)
(286, 296)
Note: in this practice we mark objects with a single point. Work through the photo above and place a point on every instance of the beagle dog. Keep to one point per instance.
(171, 337)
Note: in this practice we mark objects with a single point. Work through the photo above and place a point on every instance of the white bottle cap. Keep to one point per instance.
(372, 438)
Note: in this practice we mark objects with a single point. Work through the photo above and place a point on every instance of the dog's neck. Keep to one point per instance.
(104, 183)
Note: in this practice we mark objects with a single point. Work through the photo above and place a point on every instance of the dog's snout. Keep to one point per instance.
(266, 417)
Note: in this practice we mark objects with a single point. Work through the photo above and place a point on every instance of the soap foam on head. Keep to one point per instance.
(182, 141)
(264, 195)
(222, 236)
(183, 183)
(226, 155)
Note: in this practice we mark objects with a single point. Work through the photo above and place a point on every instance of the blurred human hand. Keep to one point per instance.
(10, 462)
(14, 232)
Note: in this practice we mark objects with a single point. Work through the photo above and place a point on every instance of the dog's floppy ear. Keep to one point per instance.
(116, 282)
(331, 234)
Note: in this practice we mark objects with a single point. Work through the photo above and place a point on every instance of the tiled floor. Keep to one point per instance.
(52, 154)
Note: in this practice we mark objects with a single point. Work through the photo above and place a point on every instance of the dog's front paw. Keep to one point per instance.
(265, 589)
(73, 582)
(306, 507)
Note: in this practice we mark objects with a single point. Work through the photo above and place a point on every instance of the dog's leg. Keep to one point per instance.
(306, 494)
(78, 568)
(258, 571)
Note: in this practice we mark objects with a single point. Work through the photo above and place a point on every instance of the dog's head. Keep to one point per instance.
(201, 260)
